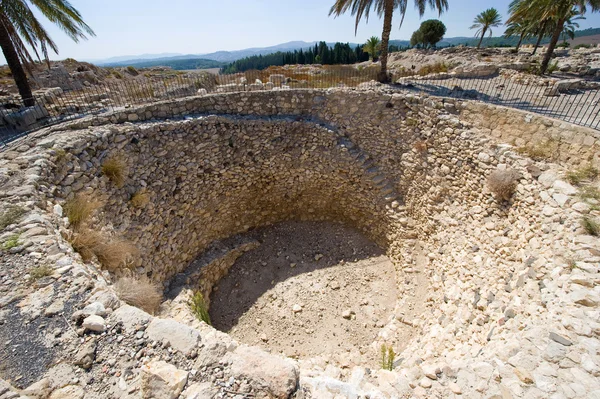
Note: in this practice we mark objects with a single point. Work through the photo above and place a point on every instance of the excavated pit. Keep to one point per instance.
(307, 289)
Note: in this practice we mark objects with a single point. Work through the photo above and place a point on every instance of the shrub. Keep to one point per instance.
(589, 192)
(114, 169)
(199, 308)
(131, 69)
(591, 226)
(11, 216)
(116, 255)
(11, 242)
(41, 271)
(583, 45)
(140, 199)
(81, 208)
(585, 173)
(387, 357)
(503, 183)
(553, 67)
(140, 292)
(117, 74)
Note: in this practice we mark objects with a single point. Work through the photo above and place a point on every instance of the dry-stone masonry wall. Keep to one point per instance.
(508, 293)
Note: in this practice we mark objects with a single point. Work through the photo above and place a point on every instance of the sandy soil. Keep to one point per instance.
(310, 288)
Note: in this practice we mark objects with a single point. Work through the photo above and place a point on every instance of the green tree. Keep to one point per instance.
(417, 38)
(485, 21)
(372, 46)
(385, 9)
(432, 31)
(556, 11)
(20, 29)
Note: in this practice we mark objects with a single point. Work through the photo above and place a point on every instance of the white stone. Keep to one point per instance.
(94, 323)
(161, 380)
(180, 336)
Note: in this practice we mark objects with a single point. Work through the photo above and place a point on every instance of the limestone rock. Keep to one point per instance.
(161, 380)
(203, 390)
(94, 323)
(180, 336)
(278, 376)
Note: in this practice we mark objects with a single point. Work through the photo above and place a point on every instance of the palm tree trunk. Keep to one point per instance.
(552, 45)
(385, 39)
(12, 59)
(540, 37)
(482, 36)
(520, 41)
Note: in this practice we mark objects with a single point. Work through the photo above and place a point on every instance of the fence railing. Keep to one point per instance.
(573, 101)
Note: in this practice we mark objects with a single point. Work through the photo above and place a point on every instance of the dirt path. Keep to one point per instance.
(310, 288)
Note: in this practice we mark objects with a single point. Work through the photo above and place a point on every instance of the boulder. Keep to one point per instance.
(130, 316)
(278, 376)
(94, 323)
(478, 70)
(563, 86)
(161, 380)
(179, 336)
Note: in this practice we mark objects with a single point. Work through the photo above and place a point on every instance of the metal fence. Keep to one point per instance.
(575, 102)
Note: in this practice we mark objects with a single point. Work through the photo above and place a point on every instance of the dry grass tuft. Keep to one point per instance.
(11, 216)
(586, 173)
(140, 199)
(438, 67)
(540, 151)
(81, 208)
(503, 183)
(591, 226)
(140, 292)
(115, 169)
(85, 242)
(116, 255)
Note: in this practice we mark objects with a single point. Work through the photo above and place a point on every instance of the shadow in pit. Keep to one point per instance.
(286, 250)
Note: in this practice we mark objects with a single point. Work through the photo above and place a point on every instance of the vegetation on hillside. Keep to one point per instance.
(321, 53)
(178, 65)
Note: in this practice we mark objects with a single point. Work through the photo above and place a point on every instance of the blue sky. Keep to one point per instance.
(131, 27)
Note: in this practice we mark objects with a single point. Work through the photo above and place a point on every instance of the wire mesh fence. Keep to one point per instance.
(572, 101)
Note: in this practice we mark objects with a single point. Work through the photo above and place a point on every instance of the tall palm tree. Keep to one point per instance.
(485, 21)
(558, 11)
(385, 9)
(20, 28)
(372, 46)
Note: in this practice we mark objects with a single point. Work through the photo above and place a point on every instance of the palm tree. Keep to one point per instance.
(558, 11)
(372, 46)
(20, 28)
(485, 21)
(518, 28)
(385, 9)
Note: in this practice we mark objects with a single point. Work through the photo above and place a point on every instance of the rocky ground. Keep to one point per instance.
(309, 289)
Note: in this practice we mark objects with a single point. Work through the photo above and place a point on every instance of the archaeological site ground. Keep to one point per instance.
(360, 241)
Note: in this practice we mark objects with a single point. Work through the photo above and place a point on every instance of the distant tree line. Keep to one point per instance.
(321, 53)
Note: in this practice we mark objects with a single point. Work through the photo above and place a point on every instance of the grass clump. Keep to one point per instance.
(115, 255)
(199, 308)
(540, 151)
(140, 292)
(11, 242)
(81, 208)
(591, 226)
(387, 357)
(41, 271)
(140, 199)
(586, 173)
(131, 69)
(114, 169)
(11, 216)
(589, 193)
(503, 183)
(438, 67)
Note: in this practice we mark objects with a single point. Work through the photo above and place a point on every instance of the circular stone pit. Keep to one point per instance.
(308, 289)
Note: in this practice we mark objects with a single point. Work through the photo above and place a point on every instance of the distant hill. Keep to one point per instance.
(220, 58)
(180, 62)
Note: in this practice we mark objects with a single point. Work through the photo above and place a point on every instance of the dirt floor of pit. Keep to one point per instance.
(309, 289)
